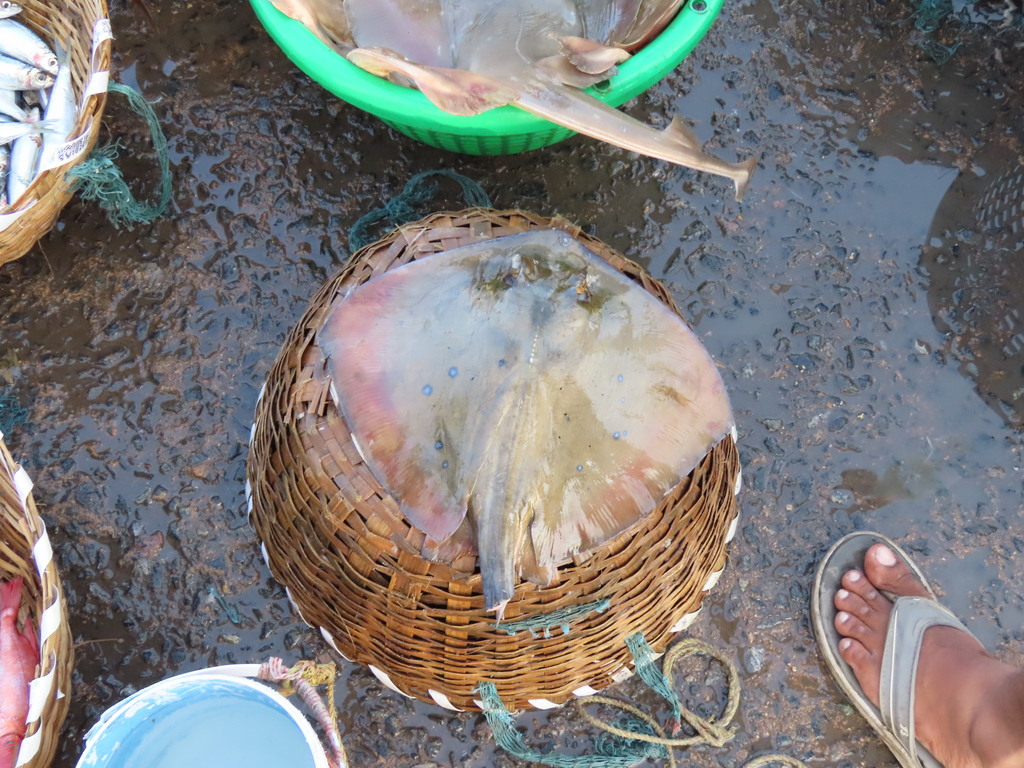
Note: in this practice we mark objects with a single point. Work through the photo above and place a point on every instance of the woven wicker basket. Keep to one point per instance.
(352, 564)
(25, 551)
(84, 24)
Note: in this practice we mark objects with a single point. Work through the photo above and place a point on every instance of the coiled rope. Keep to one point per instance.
(639, 736)
(98, 178)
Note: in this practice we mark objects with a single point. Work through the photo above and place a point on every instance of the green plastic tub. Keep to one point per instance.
(499, 131)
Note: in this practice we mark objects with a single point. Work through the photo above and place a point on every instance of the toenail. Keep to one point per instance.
(884, 556)
(845, 643)
(853, 575)
(842, 594)
(842, 617)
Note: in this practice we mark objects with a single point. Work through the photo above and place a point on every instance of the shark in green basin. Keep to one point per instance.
(469, 56)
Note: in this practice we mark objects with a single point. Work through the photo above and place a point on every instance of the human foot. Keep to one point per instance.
(968, 707)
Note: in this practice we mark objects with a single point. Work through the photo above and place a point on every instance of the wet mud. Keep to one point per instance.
(861, 305)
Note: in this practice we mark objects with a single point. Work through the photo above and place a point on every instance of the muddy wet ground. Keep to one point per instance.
(864, 319)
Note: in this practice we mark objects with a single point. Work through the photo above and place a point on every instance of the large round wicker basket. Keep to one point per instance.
(25, 551)
(84, 25)
(352, 563)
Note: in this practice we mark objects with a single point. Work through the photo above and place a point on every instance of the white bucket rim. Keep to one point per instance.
(233, 674)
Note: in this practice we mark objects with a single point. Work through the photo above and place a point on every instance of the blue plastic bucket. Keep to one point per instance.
(205, 719)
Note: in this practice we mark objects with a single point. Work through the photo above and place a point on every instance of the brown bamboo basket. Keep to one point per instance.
(25, 551)
(58, 21)
(352, 563)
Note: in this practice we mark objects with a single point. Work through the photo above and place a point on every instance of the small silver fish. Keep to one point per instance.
(24, 159)
(20, 42)
(9, 105)
(5, 165)
(8, 9)
(9, 131)
(61, 107)
(16, 75)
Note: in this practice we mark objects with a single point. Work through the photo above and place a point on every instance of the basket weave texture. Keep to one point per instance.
(61, 22)
(25, 551)
(352, 563)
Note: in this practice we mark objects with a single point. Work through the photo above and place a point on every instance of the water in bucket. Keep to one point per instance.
(203, 721)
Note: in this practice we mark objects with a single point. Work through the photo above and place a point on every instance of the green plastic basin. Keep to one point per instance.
(499, 131)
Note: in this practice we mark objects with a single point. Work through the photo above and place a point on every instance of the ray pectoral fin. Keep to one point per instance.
(454, 90)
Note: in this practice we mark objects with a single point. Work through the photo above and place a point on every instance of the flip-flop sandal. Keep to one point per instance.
(893, 719)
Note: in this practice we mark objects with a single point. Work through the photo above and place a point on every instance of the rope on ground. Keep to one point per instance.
(11, 413)
(928, 17)
(617, 754)
(769, 759)
(636, 735)
(98, 178)
(301, 678)
(715, 732)
(406, 206)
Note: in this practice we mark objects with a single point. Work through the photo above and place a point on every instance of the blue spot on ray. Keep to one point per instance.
(439, 445)
(453, 372)
(427, 389)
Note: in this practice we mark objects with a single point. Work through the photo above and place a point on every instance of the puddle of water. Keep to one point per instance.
(845, 324)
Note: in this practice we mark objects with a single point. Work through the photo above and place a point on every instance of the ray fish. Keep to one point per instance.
(520, 399)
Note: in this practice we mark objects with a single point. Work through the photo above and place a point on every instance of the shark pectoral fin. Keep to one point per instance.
(454, 90)
(683, 133)
(559, 69)
(590, 56)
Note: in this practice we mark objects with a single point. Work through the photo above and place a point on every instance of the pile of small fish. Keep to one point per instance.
(37, 102)
(19, 655)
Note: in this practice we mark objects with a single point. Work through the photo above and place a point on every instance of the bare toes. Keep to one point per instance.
(849, 625)
(854, 604)
(865, 666)
(888, 572)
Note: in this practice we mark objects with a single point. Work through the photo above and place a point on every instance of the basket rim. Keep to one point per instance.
(48, 611)
(407, 106)
(32, 215)
(421, 627)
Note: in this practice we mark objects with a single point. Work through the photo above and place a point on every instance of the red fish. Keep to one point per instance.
(19, 655)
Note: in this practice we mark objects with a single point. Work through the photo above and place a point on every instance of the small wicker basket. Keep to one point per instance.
(352, 563)
(25, 551)
(84, 25)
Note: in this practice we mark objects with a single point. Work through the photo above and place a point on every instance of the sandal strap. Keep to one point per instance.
(911, 616)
